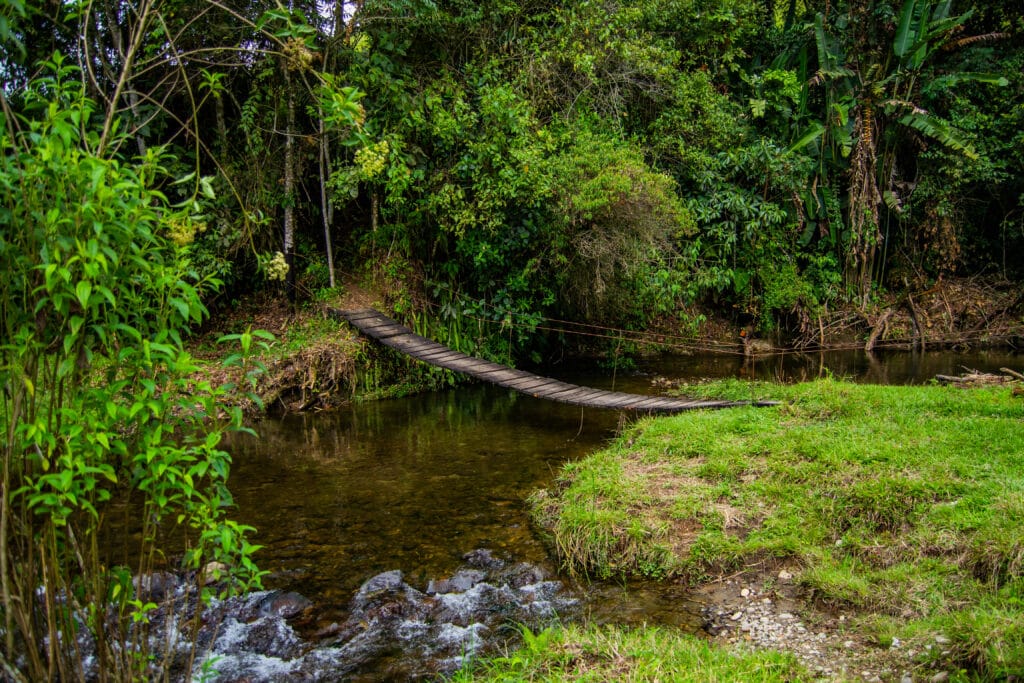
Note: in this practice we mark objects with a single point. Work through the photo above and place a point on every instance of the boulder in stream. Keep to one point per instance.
(393, 631)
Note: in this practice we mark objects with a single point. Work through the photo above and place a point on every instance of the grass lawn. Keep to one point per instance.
(903, 504)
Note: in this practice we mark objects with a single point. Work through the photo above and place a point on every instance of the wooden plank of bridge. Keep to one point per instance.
(378, 326)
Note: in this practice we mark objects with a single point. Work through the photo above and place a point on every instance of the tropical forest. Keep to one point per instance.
(793, 227)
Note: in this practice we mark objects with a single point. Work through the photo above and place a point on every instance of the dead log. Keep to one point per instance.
(1012, 373)
(878, 330)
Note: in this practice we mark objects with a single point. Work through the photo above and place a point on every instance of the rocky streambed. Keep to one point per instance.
(393, 631)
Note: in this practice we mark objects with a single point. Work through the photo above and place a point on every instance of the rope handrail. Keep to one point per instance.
(386, 331)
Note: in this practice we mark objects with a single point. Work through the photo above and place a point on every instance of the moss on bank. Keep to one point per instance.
(905, 504)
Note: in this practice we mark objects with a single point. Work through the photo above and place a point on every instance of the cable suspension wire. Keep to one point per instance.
(667, 340)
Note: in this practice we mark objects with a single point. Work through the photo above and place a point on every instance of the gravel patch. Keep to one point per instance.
(767, 613)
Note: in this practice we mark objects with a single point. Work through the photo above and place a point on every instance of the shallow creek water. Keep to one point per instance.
(410, 484)
(415, 483)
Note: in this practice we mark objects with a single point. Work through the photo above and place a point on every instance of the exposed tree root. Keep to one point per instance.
(953, 314)
(314, 378)
(877, 330)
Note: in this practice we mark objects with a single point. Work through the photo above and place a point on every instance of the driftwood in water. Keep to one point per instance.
(973, 378)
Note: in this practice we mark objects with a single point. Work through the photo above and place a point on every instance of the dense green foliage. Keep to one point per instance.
(903, 503)
(602, 162)
(95, 400)
(585, 160)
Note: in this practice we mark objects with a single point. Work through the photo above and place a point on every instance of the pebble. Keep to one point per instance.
(748, 619)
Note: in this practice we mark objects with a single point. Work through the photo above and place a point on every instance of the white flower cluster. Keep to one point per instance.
(277, 267)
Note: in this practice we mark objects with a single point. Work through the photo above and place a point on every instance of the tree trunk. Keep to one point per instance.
(133, 103)
(222, 126)
(864, 202)
(137, 33)
(327, 206)
(289, 188)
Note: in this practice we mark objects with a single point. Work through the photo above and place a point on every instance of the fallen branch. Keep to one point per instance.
(878, 330)
(1012, 373)
(975, 378)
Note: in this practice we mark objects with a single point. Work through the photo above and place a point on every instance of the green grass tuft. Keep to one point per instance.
(600, 654)
(897, 501)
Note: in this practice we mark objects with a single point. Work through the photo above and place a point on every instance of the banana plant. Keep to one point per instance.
(872, 99)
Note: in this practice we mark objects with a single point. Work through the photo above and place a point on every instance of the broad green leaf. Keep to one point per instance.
(206, 186)
(906, 32)
(812, 133)
(181, 307)
(940, 131)
(950, 80)
(83, 290)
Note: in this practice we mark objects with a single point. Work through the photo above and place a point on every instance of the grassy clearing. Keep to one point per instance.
(904, 503)
(596, 653)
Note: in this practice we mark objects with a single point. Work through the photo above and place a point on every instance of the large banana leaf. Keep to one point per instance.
(940, 131)
(809, 135)
(909, 28)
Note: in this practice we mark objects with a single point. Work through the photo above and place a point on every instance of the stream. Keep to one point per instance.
(415, 484)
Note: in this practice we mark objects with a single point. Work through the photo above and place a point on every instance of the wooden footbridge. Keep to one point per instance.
(378, 326)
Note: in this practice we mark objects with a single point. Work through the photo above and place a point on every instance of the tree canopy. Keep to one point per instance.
(599, 161)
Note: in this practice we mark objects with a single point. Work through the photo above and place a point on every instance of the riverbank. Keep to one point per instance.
(882, 525)
(790, 598)
(314, 362)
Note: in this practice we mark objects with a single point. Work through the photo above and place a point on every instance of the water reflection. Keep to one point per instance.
(408, 484)
(881, 367)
